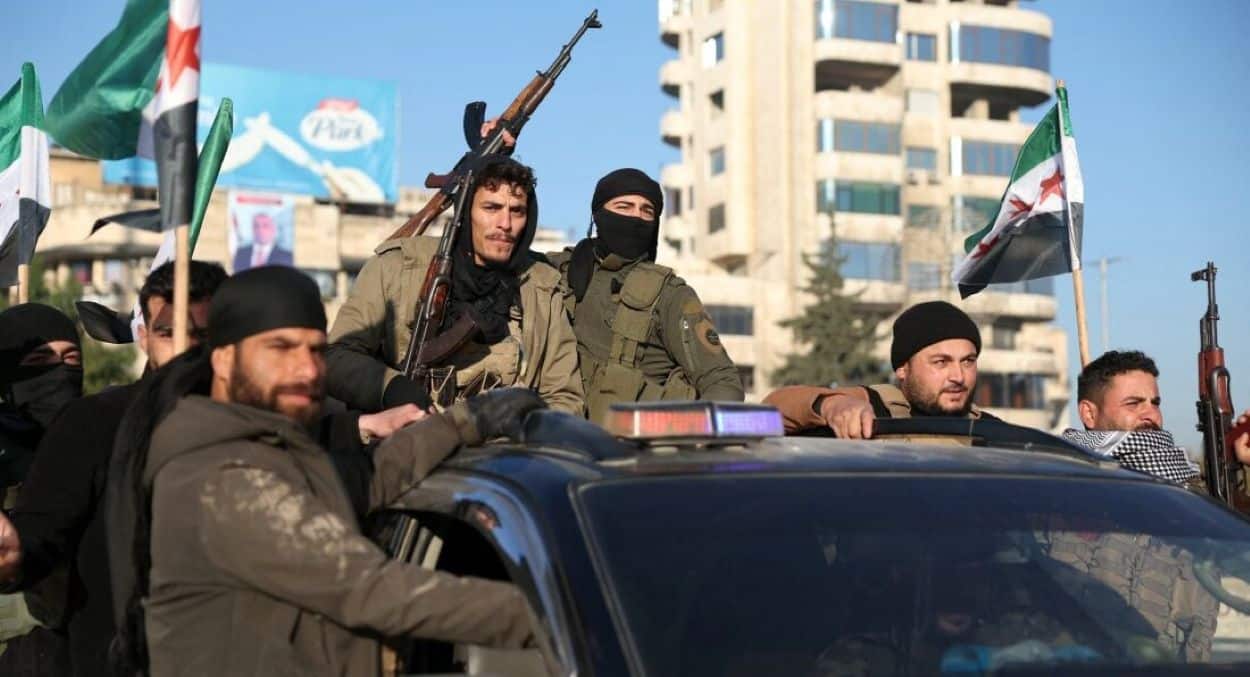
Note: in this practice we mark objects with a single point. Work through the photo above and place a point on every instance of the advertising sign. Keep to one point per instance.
(332, 138)
(261, 231)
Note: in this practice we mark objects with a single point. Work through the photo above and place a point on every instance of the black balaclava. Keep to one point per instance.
(262, 299)
(36, 392)
(629, 237)
(487, 293)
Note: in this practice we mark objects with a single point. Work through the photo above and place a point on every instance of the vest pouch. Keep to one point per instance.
(616, 383)
(678, 387)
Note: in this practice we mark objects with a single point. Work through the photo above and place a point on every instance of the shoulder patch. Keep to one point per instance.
(706, 333)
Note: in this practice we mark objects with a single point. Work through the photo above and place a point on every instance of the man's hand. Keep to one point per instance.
(10, 550)
(849, 418)
(1241, 443)
(489, 126)
(380, 425)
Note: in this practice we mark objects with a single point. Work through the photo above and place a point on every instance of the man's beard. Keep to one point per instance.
(244, 390)
(929, 404)
(1147, 425)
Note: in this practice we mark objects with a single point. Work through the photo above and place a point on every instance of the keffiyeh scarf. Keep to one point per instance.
(1150, 451)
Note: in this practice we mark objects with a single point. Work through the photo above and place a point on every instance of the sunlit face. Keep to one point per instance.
(156, 337)
(1129, 402)
(498, 218)
(940, 379)
(281, 370)
(53, 353)
(632, 205)
(264, 230)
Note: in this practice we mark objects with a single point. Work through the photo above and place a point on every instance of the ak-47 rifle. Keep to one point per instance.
(1226, 480)
(427, 346)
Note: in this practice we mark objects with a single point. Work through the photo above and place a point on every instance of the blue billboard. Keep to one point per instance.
(331, 138)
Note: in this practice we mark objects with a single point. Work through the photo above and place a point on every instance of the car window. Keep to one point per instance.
(454, 546)
(806, 575)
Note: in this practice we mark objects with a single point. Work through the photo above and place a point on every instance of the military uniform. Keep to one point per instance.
(371, 333)
(643, 335)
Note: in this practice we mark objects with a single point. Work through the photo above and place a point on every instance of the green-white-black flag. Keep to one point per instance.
(24, 180)
(1036, 231)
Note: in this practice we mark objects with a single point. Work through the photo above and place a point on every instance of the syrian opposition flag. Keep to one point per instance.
(1037, 229)
(25, 185)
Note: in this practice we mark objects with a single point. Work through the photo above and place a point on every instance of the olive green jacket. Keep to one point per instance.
(371, 332)
(681, 343)
(259, 566)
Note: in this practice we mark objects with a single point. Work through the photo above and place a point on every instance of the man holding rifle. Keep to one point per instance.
(522, 336)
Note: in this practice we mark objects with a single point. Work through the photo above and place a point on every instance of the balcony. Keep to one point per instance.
(674, 127)
(843, 63)
(876, 294)
(673, 74)
(1029, 307)
(674, 21)
(676, 175)
(1000, 55)
(998, 84)
(865, 106)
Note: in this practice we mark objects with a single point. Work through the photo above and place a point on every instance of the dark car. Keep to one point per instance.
(694, 540)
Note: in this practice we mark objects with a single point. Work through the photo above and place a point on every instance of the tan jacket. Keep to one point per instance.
(371, 332)
(797, 403)
(259, 566)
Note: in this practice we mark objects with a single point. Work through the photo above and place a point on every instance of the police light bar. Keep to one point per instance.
(693, 421)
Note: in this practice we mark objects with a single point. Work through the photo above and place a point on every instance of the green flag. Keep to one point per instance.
(25, 185)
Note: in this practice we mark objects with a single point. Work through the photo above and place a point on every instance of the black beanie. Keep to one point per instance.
(263, 299)
(627, 182)
(924, 324)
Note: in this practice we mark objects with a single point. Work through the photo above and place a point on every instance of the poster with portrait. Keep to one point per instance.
(261, 231)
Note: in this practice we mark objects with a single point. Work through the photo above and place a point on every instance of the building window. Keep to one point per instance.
(327, 281)
(857, 20)
(923, 216)
(717, 99)
(924, 275)
(973, 213)
(672, 201)
(986, 158)
(860, 198)
(865, 137)
(713, 50)
(733, 320)
(981, 44)
(824, 135)
(746, 372)
(1004, 335)
(869, 261)
(1011, 391)
(922, 101)
(921, 47)
(716, 218)
(716, 161)
(922, 158)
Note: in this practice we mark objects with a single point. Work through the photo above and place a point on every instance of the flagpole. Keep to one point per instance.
(23, 283)
(182, 283)
(1082, 333)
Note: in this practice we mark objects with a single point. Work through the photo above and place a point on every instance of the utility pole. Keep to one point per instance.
(1105, 307)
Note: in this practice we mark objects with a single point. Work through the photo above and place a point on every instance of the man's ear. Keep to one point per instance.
(901, 373)
(1088, 411)
(223, 365)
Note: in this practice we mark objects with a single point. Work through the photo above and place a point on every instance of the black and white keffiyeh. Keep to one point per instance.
(1150, 451)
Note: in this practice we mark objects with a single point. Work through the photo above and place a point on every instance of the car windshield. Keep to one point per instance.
(736, 574)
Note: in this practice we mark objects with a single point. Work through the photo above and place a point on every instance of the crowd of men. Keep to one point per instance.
(206, 519)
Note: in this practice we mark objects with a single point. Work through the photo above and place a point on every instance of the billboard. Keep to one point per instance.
(332, 138)
(261, 230)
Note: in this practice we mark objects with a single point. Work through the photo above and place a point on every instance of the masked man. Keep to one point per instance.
(642, 333)
(523, 337)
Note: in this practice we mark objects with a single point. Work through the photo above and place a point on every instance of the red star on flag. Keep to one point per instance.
(1052, 185)
(1019, 207)
(181, 51)
(985, 246)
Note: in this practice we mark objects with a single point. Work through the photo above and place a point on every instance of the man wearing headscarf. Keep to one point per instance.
(642, 333)
(523, 336)
(40, 373)
(258, 565)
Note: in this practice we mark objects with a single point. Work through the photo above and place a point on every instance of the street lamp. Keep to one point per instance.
(1105, 309)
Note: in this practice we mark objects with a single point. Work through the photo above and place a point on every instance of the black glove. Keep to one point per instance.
(403, 390)
(500, 413)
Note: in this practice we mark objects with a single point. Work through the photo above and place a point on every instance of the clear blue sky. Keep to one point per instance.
(1158, 92)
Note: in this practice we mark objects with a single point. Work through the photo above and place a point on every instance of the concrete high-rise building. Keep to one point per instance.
(885, 129)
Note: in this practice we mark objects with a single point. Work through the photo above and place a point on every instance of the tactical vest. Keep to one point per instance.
(619, 377)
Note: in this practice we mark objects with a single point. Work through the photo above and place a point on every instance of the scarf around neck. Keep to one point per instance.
(1149, 451)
